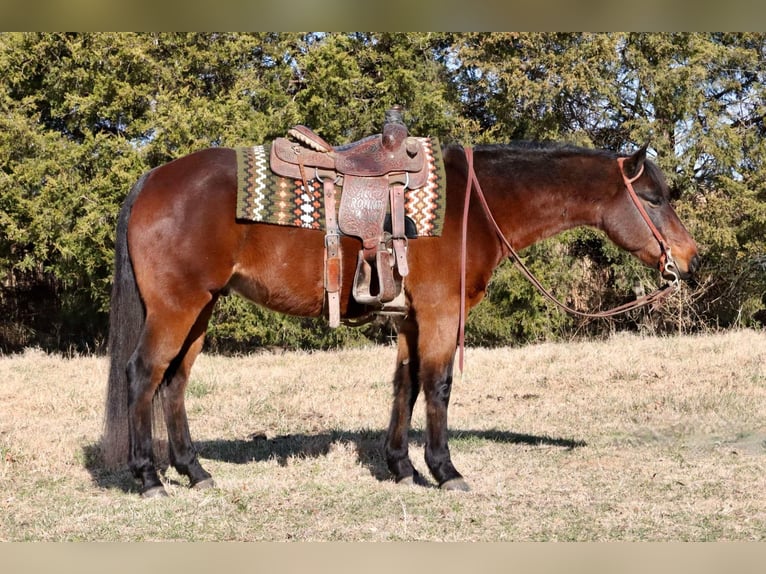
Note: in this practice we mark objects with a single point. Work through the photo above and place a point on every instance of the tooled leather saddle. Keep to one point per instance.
(373, 174)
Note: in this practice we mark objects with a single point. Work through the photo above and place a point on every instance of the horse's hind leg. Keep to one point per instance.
(162, 339)
(183, 455)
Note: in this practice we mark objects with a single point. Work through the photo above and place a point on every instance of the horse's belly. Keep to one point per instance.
(281, 290)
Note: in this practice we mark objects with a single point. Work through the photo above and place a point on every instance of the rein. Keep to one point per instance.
(667, 264)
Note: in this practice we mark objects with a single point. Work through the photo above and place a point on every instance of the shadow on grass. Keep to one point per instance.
(368, 445)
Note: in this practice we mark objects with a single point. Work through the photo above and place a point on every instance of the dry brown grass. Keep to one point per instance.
(628, 439)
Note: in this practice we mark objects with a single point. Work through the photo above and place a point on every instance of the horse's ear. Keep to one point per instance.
(635, 162)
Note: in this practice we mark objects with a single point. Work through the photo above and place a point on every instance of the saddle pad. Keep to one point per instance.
(266, 197)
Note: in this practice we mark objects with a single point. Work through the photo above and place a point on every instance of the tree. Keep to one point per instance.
(83, 115)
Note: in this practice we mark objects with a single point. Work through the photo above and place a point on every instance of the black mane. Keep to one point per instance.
(529, 150)
(549, 147)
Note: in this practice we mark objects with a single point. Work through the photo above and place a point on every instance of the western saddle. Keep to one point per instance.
(373, 174)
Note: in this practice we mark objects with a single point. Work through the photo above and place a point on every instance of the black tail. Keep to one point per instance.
(126, 319)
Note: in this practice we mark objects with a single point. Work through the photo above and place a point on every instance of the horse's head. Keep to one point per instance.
(642, 221)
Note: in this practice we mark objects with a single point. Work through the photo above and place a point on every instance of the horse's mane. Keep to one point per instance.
(535, 150)
(548, 147)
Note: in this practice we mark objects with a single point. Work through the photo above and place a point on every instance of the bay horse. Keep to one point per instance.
(179, 248)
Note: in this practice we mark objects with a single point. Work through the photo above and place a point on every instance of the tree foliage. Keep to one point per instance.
(83, 115)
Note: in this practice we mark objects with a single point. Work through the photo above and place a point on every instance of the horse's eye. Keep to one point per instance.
(653, 201)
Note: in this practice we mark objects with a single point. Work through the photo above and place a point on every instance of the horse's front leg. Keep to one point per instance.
(406, 391)
(437, 386)
(422, 361)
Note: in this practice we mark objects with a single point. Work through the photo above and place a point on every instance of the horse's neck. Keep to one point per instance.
(538, 208)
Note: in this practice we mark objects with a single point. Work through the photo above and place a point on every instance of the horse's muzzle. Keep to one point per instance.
(679, 273)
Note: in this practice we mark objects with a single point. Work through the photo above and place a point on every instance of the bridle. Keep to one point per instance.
(667, 264)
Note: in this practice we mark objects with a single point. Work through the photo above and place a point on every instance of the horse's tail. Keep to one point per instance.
(126, 319)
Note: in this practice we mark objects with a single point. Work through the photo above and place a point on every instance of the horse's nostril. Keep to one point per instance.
(694, 264)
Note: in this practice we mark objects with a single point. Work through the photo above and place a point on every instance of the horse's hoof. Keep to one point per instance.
(456, 484)
(154, 492)
(204, 484)
(406, 481)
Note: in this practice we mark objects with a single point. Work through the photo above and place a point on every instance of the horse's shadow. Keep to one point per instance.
(367, 443)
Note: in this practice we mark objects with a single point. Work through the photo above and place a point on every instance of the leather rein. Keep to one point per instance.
(667, 263)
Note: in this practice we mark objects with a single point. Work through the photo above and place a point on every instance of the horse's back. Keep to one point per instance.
(209, 174)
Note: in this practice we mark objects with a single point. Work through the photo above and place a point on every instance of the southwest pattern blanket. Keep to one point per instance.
(266, 197)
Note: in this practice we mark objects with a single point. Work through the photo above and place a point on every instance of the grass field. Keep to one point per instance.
(634, 438)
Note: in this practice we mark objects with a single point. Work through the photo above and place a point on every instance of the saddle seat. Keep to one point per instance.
(374, 173)
(393, 151)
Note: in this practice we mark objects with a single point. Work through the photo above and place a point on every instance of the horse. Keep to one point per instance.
(178, 248)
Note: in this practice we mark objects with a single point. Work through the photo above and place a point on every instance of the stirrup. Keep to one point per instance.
(363, 279)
